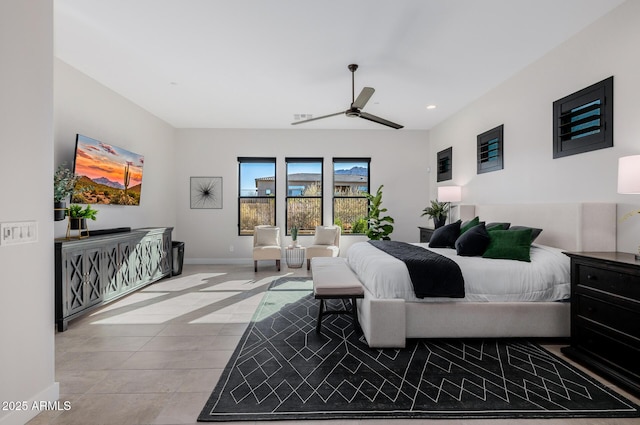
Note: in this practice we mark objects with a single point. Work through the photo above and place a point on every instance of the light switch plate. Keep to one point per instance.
(18, 232)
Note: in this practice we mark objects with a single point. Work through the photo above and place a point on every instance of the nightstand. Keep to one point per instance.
(425, 234)
(605, 315)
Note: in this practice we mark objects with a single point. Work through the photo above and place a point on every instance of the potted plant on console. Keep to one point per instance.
(78, 216)
(63, 183)
(438, 211)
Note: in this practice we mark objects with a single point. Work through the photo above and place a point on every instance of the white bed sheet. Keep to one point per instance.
(545, 278)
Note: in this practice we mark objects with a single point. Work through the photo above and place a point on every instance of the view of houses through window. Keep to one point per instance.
(350, 183)
(304, 189)
(304, 194)
(256, 193)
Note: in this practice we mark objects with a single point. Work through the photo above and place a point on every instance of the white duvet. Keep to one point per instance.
(545, 278)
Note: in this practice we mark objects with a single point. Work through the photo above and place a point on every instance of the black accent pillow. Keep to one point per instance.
(445, 236)
(534, 232)
(473, 242)
(469, 224)
(498, 226)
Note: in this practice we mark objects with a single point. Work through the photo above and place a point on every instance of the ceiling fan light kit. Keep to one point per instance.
(355, 111)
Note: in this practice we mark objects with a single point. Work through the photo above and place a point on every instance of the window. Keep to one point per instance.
(256, 193)
(304, 194)
(350, 183)
(490, 156)
(445, 164)
(584, 120)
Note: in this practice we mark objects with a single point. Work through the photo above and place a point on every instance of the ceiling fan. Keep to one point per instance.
(356, 105)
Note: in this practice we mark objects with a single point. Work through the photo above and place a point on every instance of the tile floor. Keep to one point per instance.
(155, 356)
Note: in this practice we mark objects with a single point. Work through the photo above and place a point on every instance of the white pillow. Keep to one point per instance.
(267, 236)
(325, 236)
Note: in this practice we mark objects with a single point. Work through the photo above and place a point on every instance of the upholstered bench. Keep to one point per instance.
(333, 279)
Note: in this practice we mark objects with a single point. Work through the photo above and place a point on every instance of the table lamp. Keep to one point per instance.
(450, 194)
(629, 180)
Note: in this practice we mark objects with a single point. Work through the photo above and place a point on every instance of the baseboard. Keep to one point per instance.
(214, 261)
(44, 401)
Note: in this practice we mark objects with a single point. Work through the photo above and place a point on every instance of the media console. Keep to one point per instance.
(94, 271)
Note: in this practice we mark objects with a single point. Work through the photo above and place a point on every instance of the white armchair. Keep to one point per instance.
(266, 245)
(326, 243)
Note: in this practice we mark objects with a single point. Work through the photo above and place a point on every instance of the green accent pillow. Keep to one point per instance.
(469, 224)
(509, 245)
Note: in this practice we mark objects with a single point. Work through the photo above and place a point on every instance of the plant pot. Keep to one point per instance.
(78, 223)
(439, 221)
(59, 210)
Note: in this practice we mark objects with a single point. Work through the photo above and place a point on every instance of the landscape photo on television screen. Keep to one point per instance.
(107, 174)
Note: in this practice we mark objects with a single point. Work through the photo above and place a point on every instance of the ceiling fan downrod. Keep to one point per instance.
(353, 68)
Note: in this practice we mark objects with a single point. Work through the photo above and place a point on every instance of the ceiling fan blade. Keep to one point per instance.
(363, 97)
(317, 118)
(380, 120)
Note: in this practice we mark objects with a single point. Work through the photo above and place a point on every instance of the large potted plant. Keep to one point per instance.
(63, 183)
(438, 211)
(379, 228)
(79, 216)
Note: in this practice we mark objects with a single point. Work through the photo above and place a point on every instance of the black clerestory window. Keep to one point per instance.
(490, 145)
(445, 164)
(583, 121)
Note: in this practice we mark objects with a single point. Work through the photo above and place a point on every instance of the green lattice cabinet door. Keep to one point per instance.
(111, 267)
(82, 280)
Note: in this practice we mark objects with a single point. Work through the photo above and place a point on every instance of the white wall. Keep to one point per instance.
(26, 148)
(82, 105)
(398, 161)
(524, 105)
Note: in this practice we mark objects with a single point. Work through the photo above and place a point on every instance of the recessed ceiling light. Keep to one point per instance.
(431, 106)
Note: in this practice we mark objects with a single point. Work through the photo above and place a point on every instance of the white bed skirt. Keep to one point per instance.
(389, 322)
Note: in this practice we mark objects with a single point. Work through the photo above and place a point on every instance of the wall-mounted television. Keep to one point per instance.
(107, 173)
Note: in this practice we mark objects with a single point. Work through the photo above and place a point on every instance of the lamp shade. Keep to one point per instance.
(629, 174)
(449, 193)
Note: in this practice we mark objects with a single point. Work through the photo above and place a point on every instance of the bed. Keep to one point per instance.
(390, 313)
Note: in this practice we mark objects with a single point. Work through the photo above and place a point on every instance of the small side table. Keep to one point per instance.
(294, 256)
(425, 234)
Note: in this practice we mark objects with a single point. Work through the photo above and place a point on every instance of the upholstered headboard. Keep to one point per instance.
(570, 226)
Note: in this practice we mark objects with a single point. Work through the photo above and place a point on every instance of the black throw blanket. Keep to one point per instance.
(432, 274)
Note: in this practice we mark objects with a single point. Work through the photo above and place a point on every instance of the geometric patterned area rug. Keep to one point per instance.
(282, 369)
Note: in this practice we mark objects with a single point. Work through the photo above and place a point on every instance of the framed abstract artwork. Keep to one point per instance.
(206, 192)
